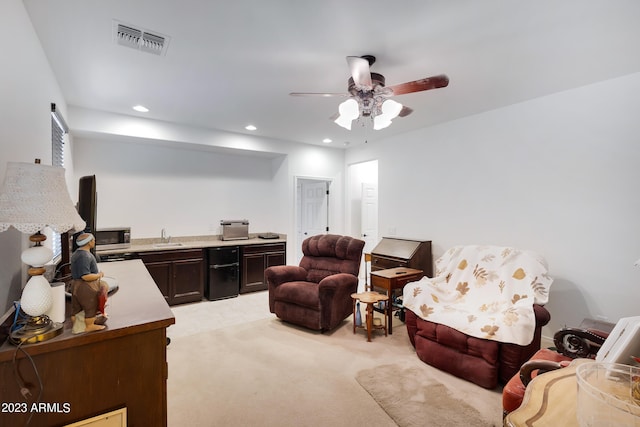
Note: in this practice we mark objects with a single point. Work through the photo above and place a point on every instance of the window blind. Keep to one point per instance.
(59, 129)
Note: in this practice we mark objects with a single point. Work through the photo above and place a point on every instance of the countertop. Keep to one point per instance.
(189, 242)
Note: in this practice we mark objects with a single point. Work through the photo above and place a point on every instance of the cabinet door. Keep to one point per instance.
(253, 266)
(276, 258)
(162, 275)
(188, 281)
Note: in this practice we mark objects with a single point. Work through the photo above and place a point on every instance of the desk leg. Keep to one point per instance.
(386, 325)
(389, 310)
(369, 320)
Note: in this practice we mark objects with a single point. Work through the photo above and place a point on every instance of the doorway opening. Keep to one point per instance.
(312, 209)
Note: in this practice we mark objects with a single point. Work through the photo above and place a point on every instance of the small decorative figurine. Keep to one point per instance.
(88, 292)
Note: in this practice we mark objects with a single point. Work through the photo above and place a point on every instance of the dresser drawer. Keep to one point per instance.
(390, 282)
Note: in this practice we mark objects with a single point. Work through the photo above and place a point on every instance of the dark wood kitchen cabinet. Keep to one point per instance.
(256, 259)
(179, 274)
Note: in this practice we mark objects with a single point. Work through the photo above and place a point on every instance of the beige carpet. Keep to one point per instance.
(269, 373)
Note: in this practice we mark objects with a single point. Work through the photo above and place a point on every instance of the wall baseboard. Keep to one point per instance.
(546, 342)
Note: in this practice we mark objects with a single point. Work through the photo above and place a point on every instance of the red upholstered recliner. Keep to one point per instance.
(480, 317)
(483, 362)
(317, 294)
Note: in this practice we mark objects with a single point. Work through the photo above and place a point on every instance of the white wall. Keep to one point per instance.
(185, 191)
(558, 175)
(187, 188)
(28, 87)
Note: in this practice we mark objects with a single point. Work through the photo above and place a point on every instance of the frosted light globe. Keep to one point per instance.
(37, 297)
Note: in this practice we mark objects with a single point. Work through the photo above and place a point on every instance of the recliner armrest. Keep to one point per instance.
(335, 302)
(337, 280)
(280, 274)
(541, 366)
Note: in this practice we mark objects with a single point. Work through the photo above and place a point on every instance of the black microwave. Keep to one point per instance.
(113, 238)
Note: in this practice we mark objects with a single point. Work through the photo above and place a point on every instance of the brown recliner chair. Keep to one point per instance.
(483, 362)
(317, 294)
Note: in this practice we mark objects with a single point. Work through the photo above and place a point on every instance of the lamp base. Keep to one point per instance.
(36, 329)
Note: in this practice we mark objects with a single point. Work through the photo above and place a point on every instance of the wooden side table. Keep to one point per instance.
(370, 298)
(392, 279)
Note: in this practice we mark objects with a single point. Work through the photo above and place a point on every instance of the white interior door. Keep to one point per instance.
(369, 212)
(313, 209)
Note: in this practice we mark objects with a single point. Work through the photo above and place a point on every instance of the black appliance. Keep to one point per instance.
(224, 273)
(87, 207)
(87, 202)
(113, 238)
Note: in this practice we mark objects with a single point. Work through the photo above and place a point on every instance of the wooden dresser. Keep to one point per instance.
(392, 252)
(86, 375)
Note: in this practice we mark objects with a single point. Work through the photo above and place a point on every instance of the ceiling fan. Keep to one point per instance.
(370, 98)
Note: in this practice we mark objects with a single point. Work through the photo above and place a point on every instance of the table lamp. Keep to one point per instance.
(32, 197)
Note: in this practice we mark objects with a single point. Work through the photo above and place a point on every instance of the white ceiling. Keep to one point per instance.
(231, 63)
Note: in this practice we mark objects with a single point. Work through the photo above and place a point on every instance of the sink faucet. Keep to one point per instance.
(164, 237)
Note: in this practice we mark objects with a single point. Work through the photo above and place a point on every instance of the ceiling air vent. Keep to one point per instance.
(139, 38)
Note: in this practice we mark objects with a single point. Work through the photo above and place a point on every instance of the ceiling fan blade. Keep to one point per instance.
(405, 111)
(322, 95)
(360, 71)
(434, 82)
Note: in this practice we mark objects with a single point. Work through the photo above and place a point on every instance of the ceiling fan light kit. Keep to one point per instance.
(369, 97)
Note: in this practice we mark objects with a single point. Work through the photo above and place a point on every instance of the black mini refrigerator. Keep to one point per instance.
(224, 272)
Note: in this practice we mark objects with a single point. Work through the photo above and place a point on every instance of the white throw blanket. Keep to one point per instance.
(483, 291)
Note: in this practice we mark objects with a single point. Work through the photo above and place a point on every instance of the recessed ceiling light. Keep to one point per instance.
(327, 141)
(250, 127)
(141, 108)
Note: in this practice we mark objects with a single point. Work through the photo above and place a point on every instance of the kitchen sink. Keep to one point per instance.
(168, 245)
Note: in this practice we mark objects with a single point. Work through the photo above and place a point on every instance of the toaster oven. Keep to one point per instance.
(235, 229)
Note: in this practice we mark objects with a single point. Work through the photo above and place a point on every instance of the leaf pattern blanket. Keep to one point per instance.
(484, 291)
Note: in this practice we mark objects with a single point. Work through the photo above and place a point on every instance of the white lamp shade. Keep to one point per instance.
(389, 111)
(36, 256)
(34, 196)
(380, 122)
(348, 112)
(37, 296)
